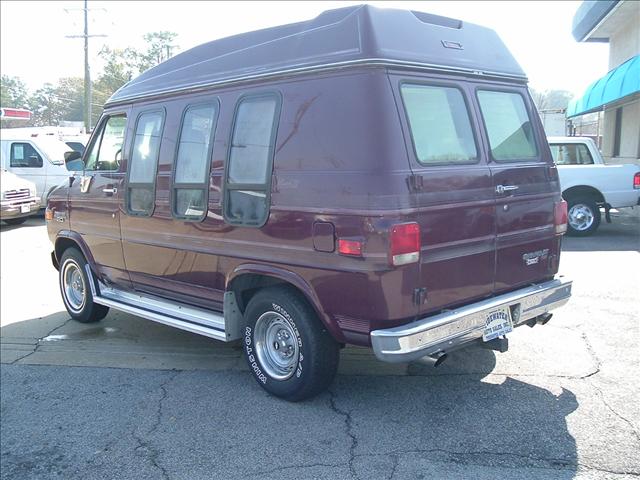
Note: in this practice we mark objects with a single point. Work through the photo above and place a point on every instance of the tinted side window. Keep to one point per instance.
(77, 146)
(23, 155)
(191, 171)
(250, 158)
(439, 123)
(106, 151)
(508, 126)
(144, 163)
(571, 154)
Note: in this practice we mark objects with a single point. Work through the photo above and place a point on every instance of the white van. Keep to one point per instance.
(18, 198)
(36, 158)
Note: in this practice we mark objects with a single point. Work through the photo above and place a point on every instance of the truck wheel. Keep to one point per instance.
(16, 221)
(289, 352)
(583, 216)
(74, 286)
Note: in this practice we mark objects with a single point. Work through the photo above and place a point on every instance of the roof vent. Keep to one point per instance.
(437, 20)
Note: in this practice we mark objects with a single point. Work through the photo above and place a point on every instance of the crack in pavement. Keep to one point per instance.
(304, 465)
(553, 463)
(598, 363)
(348, 423)
(612, 410)
(151, 452)
(593, 354)
(38, 344)
(396, 461)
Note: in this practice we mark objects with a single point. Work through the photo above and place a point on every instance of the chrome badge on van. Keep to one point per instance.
(532, 258)
(85, 183)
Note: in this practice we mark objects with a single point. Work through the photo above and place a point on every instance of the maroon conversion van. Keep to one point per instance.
(369, 177)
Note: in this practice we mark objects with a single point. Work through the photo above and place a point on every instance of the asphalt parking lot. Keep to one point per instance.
(127, 398)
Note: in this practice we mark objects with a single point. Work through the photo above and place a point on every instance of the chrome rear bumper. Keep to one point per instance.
(452, 329)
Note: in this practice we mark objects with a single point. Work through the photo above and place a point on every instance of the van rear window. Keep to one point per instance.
(248, 175)
(439, 123)
(508, 126)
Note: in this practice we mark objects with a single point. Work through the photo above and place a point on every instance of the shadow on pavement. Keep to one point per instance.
(33, 221)
(623, 234)
(450, 418)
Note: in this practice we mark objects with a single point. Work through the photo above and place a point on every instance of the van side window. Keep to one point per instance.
(508, 126)
(144, 163)
(191, 171)
(439, 123)
(248, 173)
(23, 155)
(106, 151)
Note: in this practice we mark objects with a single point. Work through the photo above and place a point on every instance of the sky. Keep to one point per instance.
(34, 47)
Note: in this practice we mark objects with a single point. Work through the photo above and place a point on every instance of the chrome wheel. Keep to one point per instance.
(73, 285)
(581, 217)
(276, 345)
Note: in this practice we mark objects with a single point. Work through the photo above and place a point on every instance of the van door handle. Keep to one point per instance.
(500, 189)
(110, 191)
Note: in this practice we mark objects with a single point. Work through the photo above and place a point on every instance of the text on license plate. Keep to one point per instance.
(25, 208)
(497, 323)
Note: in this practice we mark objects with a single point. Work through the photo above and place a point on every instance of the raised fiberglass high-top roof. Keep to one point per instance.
(353, 35)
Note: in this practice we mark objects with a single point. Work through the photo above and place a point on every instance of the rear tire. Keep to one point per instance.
(15, 221)
(583, 216)
(75, 290)
(289, 351)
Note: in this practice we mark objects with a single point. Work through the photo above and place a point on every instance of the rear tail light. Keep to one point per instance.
(350, 247)
(560, 217)
(404, 244)
(636, 180)
(48, 214)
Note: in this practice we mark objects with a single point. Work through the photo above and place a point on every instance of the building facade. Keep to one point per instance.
(617, 94)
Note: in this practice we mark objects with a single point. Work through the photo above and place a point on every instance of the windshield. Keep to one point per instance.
(53, 148)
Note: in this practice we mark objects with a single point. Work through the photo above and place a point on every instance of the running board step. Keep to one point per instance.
(225, 327)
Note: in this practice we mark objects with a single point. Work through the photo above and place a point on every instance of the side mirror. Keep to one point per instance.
(73, 161)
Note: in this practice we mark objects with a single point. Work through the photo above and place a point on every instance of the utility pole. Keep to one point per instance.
(87, 72)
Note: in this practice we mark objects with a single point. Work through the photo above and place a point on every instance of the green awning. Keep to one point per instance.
(622, 81)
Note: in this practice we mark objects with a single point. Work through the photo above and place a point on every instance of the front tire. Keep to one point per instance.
(583, 216)
(75, 290)
(289, 352)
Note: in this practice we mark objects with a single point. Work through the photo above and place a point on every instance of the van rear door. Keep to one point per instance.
(525, 185)
(451, 191)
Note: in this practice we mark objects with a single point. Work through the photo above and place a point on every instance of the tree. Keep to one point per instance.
(159, 48)
(13, 92)
(121, 65)
(46, 107)
(51, 104)
(551, 99)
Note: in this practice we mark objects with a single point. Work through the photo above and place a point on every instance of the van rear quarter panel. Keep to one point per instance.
(340, 158)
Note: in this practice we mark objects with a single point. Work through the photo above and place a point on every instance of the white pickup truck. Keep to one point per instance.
(589, 185)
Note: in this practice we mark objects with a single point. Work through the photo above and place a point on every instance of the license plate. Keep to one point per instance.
(25, 208)
(497, 323)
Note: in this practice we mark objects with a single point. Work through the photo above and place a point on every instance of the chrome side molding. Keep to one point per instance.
(185, 317)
